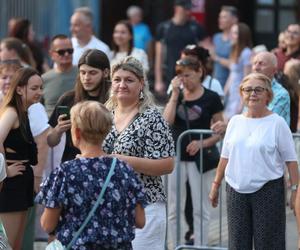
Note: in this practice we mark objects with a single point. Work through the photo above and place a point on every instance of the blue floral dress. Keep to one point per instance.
(75, 186)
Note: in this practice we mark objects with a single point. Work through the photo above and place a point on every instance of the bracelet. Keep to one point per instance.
(294, 187)
(216, 183)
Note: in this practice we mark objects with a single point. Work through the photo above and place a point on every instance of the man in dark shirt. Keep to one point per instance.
(92, 84)
(171, 38)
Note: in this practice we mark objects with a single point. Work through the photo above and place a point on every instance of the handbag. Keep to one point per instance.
(210, 155)
(56, 244)
(4, 245)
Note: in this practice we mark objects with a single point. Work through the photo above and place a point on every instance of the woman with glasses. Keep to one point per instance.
(257, 147)
(191, 106)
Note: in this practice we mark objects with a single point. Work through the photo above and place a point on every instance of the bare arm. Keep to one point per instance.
(152, 167)
(195, 145)
(42, 146)
(247, 70)
(140, 219)
(214, 192)
(50, 218)
(297, 212)
(170, 109)
(159, 84)
(294, 179)
(54, 135)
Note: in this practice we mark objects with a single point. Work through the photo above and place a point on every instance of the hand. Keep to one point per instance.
(62, 124)
(16, 168)
(219, 127)
(214, 195)
(160, 88)
(176, 85)
(193, 147)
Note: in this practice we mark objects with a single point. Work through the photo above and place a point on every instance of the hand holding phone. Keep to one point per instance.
(64, 110)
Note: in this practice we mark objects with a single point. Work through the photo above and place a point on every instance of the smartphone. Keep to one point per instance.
(64, 110)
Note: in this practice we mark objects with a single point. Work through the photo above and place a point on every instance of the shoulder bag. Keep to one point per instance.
(56, 244)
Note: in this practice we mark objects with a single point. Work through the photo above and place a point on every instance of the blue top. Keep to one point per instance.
(281, 101)
(222, 49)
(75, 187)
(141, 36)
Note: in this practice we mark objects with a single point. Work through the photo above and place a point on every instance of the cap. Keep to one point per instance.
(187, 4)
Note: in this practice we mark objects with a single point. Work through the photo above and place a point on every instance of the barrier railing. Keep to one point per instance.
(201, 133)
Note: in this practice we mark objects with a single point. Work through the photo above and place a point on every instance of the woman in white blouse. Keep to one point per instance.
(258, 145)
(122, 45)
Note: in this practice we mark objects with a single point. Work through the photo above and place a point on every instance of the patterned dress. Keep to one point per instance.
(148, 136)
(75, 186)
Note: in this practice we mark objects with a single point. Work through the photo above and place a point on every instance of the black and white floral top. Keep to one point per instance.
(148, 136)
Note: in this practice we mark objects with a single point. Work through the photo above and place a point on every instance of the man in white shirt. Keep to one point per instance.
(82, 34)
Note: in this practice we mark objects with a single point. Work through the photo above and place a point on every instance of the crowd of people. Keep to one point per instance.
(85, 144)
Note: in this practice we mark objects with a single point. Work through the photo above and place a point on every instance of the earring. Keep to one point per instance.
(141, 95)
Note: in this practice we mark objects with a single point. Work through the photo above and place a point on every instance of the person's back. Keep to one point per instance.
(79, 182)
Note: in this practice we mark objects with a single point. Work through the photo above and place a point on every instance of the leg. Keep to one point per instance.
(152, 236)
(14, 224)
(269, 216)
(29, 234)
(188, 212)
(172, 219)
(239, 216)
(194, 177)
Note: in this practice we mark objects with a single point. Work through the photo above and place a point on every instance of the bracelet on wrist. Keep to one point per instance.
(216, 183)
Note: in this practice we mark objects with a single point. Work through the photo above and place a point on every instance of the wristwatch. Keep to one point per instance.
(294, 187)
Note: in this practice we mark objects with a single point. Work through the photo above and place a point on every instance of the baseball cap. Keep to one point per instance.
(187, 4)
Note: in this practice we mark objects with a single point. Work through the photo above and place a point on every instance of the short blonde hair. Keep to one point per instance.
(93, 120)
(259, 77)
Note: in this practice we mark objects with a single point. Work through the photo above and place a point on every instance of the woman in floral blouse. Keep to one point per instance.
(72, 189)
(141, 137)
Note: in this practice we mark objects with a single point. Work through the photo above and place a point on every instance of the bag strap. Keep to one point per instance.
(97, 203)
(2, 229)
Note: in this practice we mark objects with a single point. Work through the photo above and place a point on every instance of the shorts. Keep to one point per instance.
(17, 193)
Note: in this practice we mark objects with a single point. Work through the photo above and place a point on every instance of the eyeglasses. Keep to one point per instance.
(257, 90)
(62, 52)
(293, 33)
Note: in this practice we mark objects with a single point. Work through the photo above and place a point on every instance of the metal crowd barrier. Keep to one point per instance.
(201, 133)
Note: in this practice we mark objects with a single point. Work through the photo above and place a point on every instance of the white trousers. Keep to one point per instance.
(189, 172)
(153, 235)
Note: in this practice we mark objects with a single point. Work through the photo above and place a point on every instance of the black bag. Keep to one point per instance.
(210, 160)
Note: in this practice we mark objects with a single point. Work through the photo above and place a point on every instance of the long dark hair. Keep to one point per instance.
(14, 100)
(96, 59)
(115, 47)
(244, 40)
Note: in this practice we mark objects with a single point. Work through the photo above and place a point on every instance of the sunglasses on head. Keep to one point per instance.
(10, 61)
(62, 52)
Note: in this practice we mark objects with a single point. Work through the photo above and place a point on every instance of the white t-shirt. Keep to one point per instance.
(139, 54)
(94, 43)
(38, 119)
(256, 149)
(213, 84)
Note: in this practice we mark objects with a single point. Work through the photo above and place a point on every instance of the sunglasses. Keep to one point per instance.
(62, 52)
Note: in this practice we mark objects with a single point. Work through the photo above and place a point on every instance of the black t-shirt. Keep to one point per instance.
(67, 100)
(200, 113)
(175, 38)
